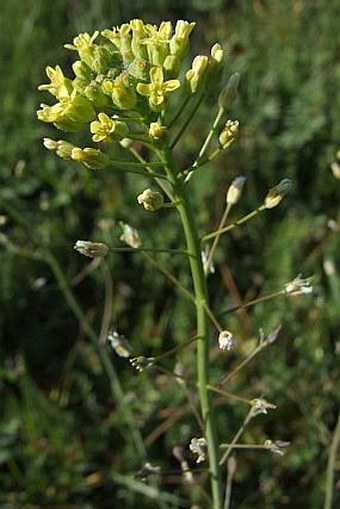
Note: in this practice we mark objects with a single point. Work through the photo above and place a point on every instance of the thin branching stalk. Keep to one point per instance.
(236, 437)
(115, 386)
(217, 238)
(187, 122)
(252, 354)
(233, 225)
(206, 143)
(253, 302)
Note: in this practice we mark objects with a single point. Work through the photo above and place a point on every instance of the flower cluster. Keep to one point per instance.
(123, 79)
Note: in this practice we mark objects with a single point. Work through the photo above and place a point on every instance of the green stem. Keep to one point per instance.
(201, 298)
(128, 165)
(196, 166)
(169, 276)
(205, 145)
(147, 250)
(331, 466)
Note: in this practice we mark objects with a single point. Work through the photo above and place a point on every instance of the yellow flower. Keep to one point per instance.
(106, 128)
(158, 42)
(157, 89)
(70, 114)
(60, 86)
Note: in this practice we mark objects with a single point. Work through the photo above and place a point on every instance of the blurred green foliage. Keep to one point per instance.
(63, 435)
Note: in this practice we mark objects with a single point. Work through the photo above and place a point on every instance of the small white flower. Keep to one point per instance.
(130, 236)
(198, 446)
(151, 200)
(119, 344)
(261, 406)
(299, 286)
(226, 340)
(91, 249)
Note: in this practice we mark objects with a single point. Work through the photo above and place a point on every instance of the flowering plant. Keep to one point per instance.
(132, 87)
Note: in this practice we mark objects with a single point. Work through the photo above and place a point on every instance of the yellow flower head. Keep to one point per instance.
(157, 89)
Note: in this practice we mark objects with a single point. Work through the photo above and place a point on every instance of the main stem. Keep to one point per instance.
(201, 299)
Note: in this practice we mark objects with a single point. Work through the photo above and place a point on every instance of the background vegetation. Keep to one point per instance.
(66, 437)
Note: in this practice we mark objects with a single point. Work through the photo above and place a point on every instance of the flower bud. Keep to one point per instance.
(93, 91)
(130, 236)
(125, 43)
(151, 200)
(229, 133)
(91, 249)
(276, 194)
(140, 69)
(122, 93)
(235, 190)
(156, 131)
(226, 340)
(138, 48)
(195, 74)
(91, 157)
(217, 53)
(171, 65)
(62, 148)
(83, 71)
(179, 41)
(84, 44)
(229, 93)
